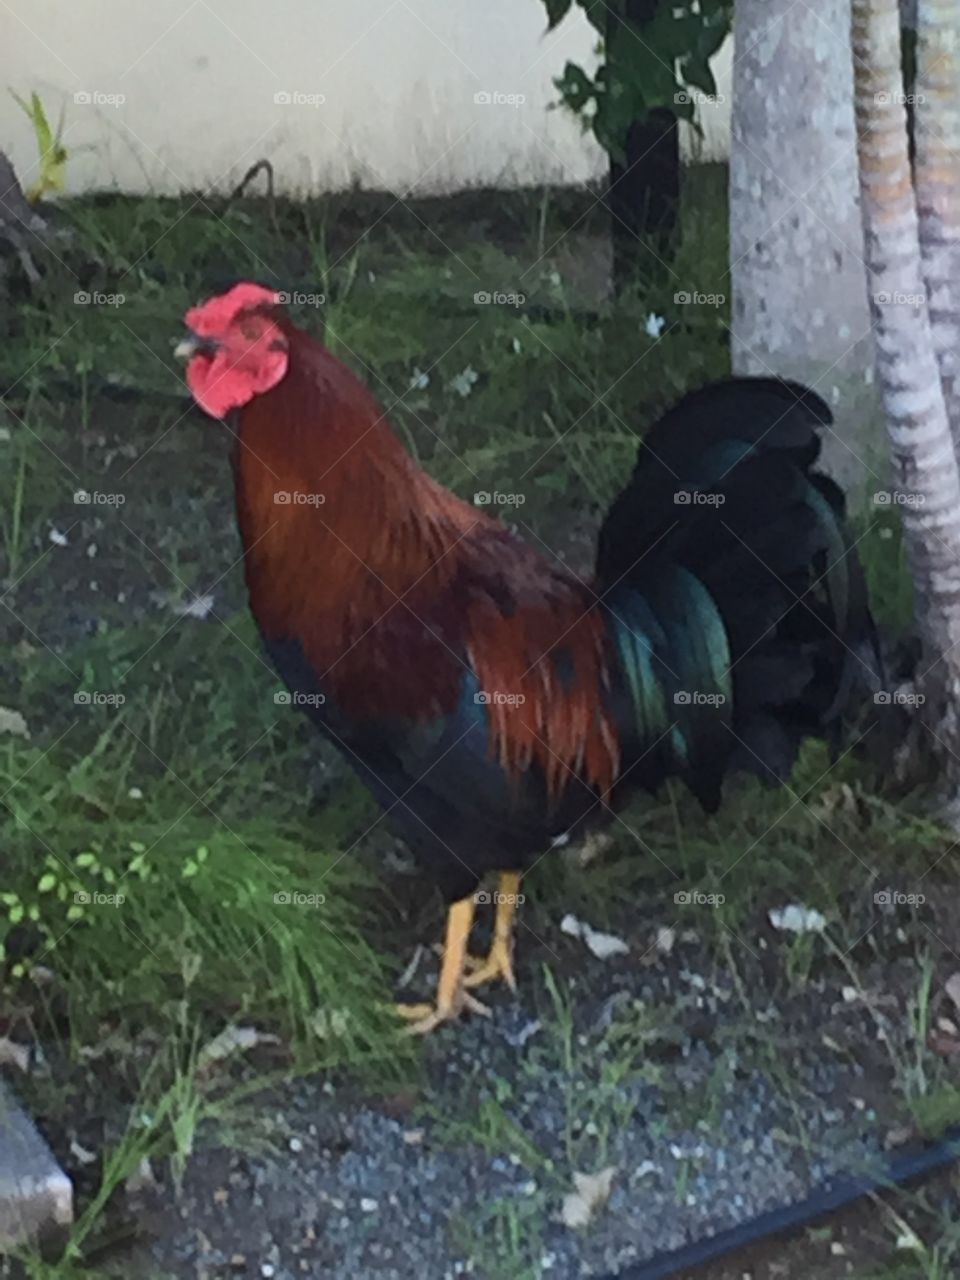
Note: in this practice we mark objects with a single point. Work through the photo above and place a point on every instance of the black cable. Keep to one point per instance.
(827, 1198)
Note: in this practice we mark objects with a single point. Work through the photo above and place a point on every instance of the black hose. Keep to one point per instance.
(832, 1195)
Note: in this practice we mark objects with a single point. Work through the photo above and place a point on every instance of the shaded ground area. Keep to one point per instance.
(716, 1068)
(663, 1082)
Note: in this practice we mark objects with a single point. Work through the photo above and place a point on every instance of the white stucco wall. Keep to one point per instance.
(198, 80)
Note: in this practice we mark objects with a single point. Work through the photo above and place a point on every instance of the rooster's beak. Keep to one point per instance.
(192, 346)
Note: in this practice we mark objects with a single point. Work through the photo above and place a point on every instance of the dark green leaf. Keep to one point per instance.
(557, 10)
(576, 87)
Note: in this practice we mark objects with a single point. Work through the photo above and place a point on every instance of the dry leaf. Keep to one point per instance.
(410, 971)
(952, 988)
(666, 937)
(199, 607)
(603, 945)
(231, 1040)
(142, 1178)
(81, 1154)
(797, 919)
(14, 1055)
(591, 1194)
(946, 1046)
(592, 847)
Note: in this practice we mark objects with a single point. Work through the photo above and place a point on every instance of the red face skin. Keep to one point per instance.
(243, 352)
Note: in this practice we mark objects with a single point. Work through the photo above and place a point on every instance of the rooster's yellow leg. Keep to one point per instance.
(452, 998)
(499, 961)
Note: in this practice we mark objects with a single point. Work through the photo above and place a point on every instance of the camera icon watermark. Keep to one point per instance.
(295, 898)
(86, 498)
(694, 698)
(887, 99)
(298, 299)
(83, 298)
(96, 98)
(694, 898)
(295, 98)
(898, 498)
(497, 698)
(694, 298)
(96, 899)
(98, 698)
(697, 498)
(498, 298)
(898, 298)
(298, 498)
(495, 98)
(695, 98)
(899, 698)
(483, 498)
(894, 898)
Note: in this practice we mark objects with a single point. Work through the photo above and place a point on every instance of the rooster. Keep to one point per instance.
(493, 702)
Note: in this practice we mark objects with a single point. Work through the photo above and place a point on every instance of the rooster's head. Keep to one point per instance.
(236, 349)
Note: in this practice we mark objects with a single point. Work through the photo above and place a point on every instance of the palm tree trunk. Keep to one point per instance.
(937, 123)
(796, 241)
(924, 461)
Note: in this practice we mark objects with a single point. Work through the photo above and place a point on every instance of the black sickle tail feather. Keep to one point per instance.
(725, 529)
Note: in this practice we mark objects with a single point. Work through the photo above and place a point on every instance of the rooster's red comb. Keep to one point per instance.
(212, 317)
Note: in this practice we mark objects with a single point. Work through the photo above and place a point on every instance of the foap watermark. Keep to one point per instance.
(97, 98)
(694, 298)
(96, 299)
(297, 299)
(694, 698)
(98, 698)
(497, 698)
(482, 498)
(497, 98)
(295, 699)
(497, 298)
(297, 498)
(297, 98)
(694, 898)
(695, 98)
(484, 897)
(899, 698)
(894, 898)
(296, 898)
(897, 498)
(887, 99)
(97, 899)
(94, 498)
(697, 498)
(898, 298)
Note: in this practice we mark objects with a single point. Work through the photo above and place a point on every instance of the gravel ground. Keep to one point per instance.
(358, 1190)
